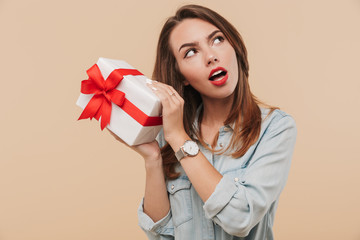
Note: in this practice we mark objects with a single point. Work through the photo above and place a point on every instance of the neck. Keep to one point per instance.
(216, 111)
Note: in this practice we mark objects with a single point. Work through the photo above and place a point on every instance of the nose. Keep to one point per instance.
(211, 56)
(212, 59)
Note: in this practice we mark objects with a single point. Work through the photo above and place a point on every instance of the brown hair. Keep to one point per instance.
(245, 113)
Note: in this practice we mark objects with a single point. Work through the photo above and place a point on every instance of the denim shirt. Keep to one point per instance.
(244, 202)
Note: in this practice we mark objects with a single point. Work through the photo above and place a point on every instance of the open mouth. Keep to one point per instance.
(218, 76)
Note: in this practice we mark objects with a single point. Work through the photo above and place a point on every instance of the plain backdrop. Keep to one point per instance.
(66, 179)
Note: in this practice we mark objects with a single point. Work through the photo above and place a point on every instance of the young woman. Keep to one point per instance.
(220, 163)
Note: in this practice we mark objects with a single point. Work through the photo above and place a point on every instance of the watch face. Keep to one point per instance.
(191, 148)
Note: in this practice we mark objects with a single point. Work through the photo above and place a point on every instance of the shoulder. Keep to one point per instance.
(276, 120)
(275, 116)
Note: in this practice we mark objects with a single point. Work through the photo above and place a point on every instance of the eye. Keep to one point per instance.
(218, 39)
(190, 52)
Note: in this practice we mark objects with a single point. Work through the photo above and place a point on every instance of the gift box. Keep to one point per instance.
(117, 96)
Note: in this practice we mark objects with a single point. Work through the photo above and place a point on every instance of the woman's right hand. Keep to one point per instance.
(149, 151)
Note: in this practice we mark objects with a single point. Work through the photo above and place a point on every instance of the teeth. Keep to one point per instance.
(215, 73)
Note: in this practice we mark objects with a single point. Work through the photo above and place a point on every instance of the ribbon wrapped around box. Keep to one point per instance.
(116, 94)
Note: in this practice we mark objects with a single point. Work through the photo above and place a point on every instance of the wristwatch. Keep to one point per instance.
(190, 148)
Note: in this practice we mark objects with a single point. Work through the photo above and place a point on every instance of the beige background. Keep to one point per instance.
(65, 179)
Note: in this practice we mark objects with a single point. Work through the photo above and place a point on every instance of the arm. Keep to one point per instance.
(203, 176)
(156, 201)
(154, 211)
(238, 205)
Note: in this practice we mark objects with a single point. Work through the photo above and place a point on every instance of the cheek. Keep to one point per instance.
(232, 55)
(233, 62)
(189, 71)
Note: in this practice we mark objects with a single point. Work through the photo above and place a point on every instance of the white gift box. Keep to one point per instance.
(139, 94)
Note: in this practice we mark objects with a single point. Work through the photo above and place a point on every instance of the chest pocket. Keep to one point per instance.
(180, 200)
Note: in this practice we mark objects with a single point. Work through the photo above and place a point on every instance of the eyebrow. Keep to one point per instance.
(211, 35)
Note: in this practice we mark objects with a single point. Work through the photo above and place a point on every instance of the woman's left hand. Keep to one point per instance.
(172, 111)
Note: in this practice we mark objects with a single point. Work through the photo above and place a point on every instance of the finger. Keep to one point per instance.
(164, 87)
(162, 91)
(175, 97)
(164, 97)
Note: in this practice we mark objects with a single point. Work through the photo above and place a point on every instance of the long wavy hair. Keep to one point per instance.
(245, 114)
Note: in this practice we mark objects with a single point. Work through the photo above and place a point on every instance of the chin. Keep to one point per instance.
(224, 95)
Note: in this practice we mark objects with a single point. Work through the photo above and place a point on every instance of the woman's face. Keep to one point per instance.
(205, 58)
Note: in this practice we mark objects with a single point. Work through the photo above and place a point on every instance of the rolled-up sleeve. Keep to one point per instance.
(237, 206)
(160, 230)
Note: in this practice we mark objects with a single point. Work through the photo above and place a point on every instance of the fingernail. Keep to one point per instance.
(149, 81)
(154, 88)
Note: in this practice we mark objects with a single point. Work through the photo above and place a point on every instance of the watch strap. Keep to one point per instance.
(180, 154)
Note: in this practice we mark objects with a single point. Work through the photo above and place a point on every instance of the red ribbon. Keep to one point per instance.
(105, 93)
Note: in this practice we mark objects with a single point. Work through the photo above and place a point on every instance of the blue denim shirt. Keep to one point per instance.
(244, 202)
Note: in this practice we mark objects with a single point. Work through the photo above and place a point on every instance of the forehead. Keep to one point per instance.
(190, 30)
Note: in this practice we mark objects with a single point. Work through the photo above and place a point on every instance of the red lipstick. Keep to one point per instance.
(218, 76)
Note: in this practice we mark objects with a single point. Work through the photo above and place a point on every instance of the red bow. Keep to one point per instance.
(105, 93)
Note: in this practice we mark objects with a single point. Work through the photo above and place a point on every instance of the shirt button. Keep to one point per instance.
(172, 187)
(221, 145)
(236, 179)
